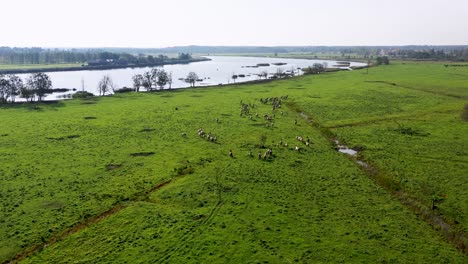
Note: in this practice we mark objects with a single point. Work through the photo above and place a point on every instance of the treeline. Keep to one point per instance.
(46, 56)
(37, 85)
(431, 54)
(447, 52)
(10, 55)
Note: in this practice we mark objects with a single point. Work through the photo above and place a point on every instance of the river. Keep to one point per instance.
(219, 70)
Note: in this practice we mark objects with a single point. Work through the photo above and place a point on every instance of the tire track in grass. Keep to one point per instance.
(420, 89)
(189, 236)
(390, 118)
(452, 233)
(119, 206)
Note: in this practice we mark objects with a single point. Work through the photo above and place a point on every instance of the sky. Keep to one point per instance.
(156, 23)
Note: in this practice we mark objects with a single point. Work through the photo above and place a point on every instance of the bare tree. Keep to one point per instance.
(169, 80)
(279, 73)
(105, 85)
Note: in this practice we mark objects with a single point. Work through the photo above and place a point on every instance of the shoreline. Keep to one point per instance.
(98, 68)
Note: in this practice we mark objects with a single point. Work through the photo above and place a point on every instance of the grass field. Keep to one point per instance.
(114, 179)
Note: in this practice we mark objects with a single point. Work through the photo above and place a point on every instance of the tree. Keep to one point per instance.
(137, 81)
(147, 81)
(184, 56)
(192, 77)
(154, 77)
(385, 60)
(105, 85)
(279, 73)
(16, 84)
(40, 84)
(318, 67)
(4, 86)
(315, 69)
(382, 60)
(162, 78)
(234, 77)
(27, 93)
(465, 54)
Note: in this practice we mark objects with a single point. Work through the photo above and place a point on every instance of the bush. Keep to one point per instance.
(82, 94)
(382, 60)
(124, 90)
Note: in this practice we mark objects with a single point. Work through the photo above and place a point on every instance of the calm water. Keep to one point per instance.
(217, 71)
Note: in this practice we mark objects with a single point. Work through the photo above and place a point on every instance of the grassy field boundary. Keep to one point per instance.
(441, 224)
(420, 90)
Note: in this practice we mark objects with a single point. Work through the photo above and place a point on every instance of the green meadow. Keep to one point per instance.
(127, 178)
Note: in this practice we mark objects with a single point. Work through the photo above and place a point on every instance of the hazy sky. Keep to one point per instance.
(156, 23)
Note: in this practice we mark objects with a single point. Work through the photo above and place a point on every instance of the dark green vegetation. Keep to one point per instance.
(127, 178)
(28, 60)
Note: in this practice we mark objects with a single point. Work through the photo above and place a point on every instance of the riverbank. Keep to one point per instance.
(47, 68)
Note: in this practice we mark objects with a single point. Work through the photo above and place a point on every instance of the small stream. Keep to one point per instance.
(351, 152)
(344, 149)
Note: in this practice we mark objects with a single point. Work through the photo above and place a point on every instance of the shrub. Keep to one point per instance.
(124, 90)
(82, 94)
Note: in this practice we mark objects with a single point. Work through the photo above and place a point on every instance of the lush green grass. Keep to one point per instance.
(409, 124)
(314, 206)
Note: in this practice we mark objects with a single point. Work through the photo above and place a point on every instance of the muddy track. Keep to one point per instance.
(453, 234)
(86, 223)
(189, 236)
